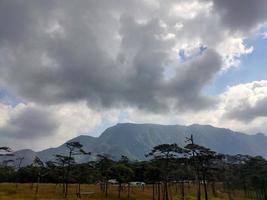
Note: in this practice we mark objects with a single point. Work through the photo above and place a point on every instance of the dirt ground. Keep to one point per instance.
(9, 191)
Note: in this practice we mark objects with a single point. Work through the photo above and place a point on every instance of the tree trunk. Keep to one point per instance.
(79, 188)
(229, 191)
(153, 194)
(119, 191)
(163, 191)
(67, 174)
(205, 190)
(213, 188)
(37, 184)
(128, 190)
(63, 188)
(106, 192)
(182, 191)
(199, 190)
(166, 191)
(66, 190)
(158, 191)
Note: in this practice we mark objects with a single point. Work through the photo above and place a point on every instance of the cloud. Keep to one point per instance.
(45, 126)
(241, 15)
(70, 63)
(190, 81)
(246, 102)
(231, 49)
(56, 53)
(241, 107)
(30, 123)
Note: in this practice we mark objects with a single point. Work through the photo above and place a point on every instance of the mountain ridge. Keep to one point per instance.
(135, 140)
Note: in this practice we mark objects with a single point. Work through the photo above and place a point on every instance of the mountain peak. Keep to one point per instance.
(136, 140)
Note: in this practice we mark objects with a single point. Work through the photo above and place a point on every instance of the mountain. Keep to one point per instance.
(135, 140)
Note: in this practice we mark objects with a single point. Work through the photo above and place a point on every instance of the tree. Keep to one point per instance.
(252, 174)
(18, 166)
(124, 160)
(165, 155)
(6, 152)
(122, 174)
(54, 173)
(74, 148)
(153, 175)
(6, 171)
(202, 159)
(104, 165)
(38, 165)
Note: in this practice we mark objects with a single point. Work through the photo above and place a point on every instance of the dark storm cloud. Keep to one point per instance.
(241, 15)
(109, 53)
(190, 81)
(68, 53)
(31, 123)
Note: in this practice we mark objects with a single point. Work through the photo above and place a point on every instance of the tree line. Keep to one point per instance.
(168, 167)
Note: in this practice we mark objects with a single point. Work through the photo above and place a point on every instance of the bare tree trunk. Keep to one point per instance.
(158, 191)
(119, 191)
(229, 192)
(153, 188)
(37, 184)
(205, 190)
(78, 190)
(128, 190)
(66, 188)
(199, 190)
(213, 189)
(101, 187)
(182, 191)
(67, 174)
(106, 192)
(166, 191)
(163, 192)
(170, 191)
(17, 178)
(63, 188)
(188, 185)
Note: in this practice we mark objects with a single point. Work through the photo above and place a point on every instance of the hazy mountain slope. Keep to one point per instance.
(135, 140)
(27, 155)
(86, 141)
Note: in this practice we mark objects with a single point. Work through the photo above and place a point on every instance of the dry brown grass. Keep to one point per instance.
(8, 191)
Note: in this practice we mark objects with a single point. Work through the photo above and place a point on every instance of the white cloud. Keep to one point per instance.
(231, 49)
(85, 62)
(242, 107)
(75, 119)
(190, 9)
(68, 120)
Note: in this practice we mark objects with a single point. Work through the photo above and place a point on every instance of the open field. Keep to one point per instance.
(8, 191)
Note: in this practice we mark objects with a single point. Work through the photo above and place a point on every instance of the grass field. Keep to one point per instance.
(8, 191)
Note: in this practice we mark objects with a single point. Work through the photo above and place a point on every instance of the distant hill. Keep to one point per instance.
(135, 140)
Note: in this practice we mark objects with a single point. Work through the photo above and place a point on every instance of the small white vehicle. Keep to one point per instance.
(137, 184)
(113, 181)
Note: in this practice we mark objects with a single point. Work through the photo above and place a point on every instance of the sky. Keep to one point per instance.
(70, 68)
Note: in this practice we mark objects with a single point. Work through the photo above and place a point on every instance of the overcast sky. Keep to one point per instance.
(76, 67)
